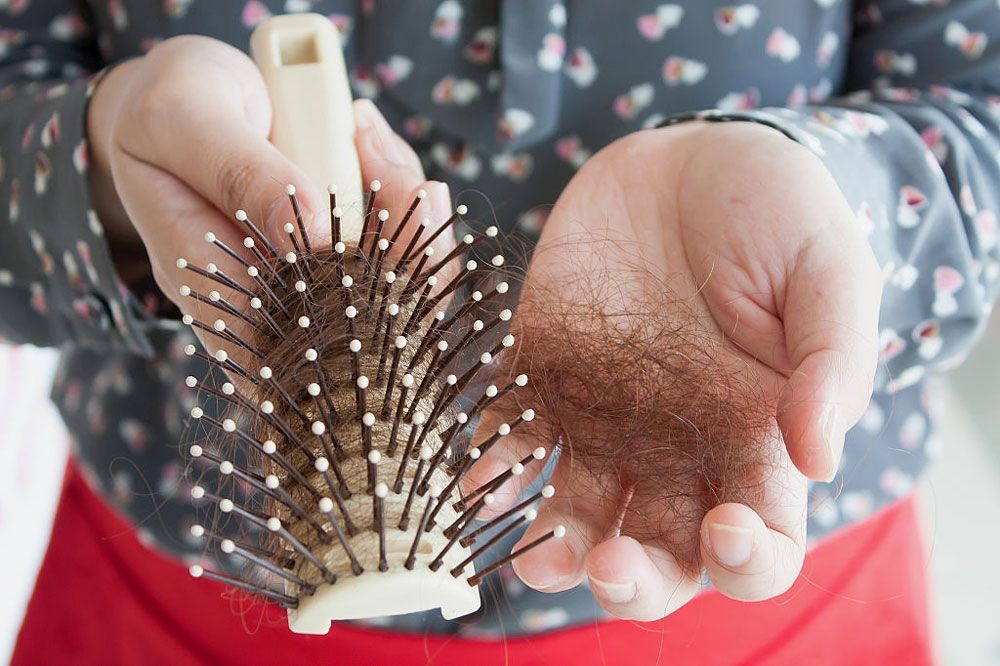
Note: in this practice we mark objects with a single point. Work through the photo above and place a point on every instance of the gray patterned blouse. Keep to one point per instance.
(900, 98)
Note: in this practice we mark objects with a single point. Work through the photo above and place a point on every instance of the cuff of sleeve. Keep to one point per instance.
(77, 289)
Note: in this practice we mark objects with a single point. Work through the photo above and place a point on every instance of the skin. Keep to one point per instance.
(744, 221)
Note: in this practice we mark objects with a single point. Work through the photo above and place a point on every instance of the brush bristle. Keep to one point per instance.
(340, 452)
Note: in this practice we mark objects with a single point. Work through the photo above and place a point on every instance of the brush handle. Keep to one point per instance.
(302, 64)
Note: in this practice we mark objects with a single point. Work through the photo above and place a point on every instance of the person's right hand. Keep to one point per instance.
(179, 143)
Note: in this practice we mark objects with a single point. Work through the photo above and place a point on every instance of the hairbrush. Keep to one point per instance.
(333, 455)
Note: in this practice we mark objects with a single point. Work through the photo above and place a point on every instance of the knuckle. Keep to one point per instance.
(234, 181)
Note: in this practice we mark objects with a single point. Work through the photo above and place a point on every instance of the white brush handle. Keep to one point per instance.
(302, 64)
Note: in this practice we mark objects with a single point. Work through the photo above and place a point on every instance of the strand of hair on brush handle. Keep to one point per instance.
(517, 469)
(527, 517)
(435, 564)
(546, 492)
(198, 571)
(558, 532)
(433, 496)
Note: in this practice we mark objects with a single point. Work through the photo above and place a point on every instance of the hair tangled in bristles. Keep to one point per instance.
(644, 395)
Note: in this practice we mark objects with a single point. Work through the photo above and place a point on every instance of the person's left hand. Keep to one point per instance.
(751, 230)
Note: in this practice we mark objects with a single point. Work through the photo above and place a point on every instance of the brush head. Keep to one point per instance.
(332, 473)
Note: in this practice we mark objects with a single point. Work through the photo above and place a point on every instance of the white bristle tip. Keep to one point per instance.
(229, 425)
(426, 222)
(383, 215)
(184, 290)
(331, 189)
(226, 506)
(338, 212)
(505, 314)
(497, 261)
(190, 381)
(313, 389)
(504, 429)
(189, 350)
(256, 303)
(521, 380)
(517, 469)
(291, 258)
(318, 427)
(468, 239)
(253, 271)
(486, 358)
(530, 515)
(219, 325)
(462, 417)
(393, 309)
(196, 451)
(462, 209)
(197, 492)
(475, 453)
(248, 242)
(289, 228)
(197, 412)
(442, 345)
(187, 320)
(451, 380)
(222, 356)
(350, 312)
(407, 380)
(209, 237)
(400, 342)
(492, 231)
(304, 321)
(538, 453)
(426, 453)
(214, 296)
(559, 532)
(227, 546)
(488, 499)
(502, 288)
(289, 189)
(368, 419)
(197, 531)
(265, 372)
(548, 491)
(181, 263)
(429, 252)
(226, 467)
(340, 248)
(508, 340)
(528, 415)
(273, 524)
(196, 570)
(355, 346)
(374, 457)
(321, 464)
(362, 382)
(241, 215)
(300, 286)
(272, 481)
(311, 354)
(325, 504)
(421, 194)
(267, 407)
(491, 391)
(228, 388)
(269, 447)
(381, 490)
(211, 268)
(419, 418)
(375, 185)
(383, 244)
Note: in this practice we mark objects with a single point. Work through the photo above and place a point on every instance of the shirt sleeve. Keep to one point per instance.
(58, 284)
(916, 151)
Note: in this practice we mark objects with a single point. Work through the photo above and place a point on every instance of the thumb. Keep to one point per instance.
(830, 319)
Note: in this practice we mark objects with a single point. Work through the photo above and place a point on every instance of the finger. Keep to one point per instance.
(756, 552)
(831, 329)
(500, 460)
(558, 564)
(386, 157)
(638, 582)
(210, 130)
(174, 221)
(745, 559)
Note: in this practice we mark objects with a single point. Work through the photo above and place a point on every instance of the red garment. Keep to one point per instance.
(103, 598)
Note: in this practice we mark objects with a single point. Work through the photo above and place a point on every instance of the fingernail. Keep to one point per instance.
(439, 203)
(614, 593)
(731, 545)
(380, 138)
(832, 436)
